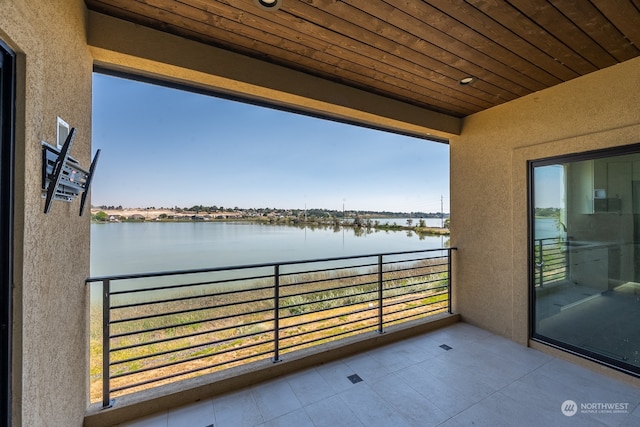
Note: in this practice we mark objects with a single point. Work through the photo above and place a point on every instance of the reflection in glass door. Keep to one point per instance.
(585, 246)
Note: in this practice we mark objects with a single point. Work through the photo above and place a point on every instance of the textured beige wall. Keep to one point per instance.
(489, 183)
(51, 251)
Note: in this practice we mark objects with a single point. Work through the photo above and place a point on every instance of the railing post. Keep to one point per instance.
(106, 343)
(276, 314)
(380, 296)
(449, 287)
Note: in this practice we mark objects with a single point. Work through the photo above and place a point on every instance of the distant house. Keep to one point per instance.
(137, 217)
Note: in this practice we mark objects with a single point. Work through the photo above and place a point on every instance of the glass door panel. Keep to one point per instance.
(585, 278)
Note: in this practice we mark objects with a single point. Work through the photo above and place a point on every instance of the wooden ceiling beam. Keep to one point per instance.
(126, 47)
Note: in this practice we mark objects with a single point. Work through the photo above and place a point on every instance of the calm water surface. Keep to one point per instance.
(123, 248)
(546, 228)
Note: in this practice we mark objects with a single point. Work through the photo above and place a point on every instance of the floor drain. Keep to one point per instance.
(445, 347)
(354, 378)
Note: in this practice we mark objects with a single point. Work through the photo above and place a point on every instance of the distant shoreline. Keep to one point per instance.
(356, 221)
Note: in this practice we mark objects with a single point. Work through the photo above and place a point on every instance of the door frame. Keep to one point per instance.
(7, 147)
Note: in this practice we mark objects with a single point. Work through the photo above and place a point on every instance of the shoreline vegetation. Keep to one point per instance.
(360, 220)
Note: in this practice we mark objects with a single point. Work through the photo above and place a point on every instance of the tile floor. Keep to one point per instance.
(482, 380)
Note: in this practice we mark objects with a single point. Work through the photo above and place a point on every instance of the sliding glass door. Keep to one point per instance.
(585, 255)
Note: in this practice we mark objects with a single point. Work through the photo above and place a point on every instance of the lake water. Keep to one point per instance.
(125, 248)
(547, 228)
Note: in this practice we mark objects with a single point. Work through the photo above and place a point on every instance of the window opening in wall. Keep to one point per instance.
(585, 246)
(191, 180)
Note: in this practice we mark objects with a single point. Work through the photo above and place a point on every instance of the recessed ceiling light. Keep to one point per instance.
(269, 4)
(467, 80)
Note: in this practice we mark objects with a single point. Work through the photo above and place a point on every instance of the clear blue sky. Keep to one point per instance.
(549, 187)
(164, 147)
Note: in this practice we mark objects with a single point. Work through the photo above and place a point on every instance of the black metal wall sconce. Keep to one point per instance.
(62, 176)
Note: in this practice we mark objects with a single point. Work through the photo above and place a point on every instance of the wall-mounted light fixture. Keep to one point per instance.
(269, 4)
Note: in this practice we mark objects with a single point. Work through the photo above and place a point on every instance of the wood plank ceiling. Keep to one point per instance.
(416, 51)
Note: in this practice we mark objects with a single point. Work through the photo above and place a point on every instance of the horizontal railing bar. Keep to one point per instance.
(406, 300)
(321, 270)
(559, 262)
(322, 319)
(554, 274)
(417, 264)
(440, 290)
(190, 285)
(251, 266)
(553, 263)
(333, 336)
(178, 325)
(421, 314)
(190, 297)
(332, 279)
(389, 277)
(402, 274)
(173, 313)
(191, 335)
(337, 288)
(360, 284)
(332, 299)
(190, 371)
(392, 300)
(435, 267)
(326, 328)
(388, 283)
(326, 309)
(392, 288)
(189, 347)
(189, 359)
(430, 309)
(407, 260)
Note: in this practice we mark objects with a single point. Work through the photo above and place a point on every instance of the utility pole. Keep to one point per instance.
(441, 211)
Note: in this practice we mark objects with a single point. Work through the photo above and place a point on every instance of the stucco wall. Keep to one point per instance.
(51, 251)
(489, 183)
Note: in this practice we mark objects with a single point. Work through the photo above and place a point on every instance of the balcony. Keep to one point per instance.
(365, 340)
(158, 331)
(478, 378)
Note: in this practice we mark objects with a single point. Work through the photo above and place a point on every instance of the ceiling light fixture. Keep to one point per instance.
(269, 4)
(467, 81)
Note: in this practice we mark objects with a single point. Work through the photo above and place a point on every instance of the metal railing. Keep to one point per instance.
(162, 327)
(550, 261)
